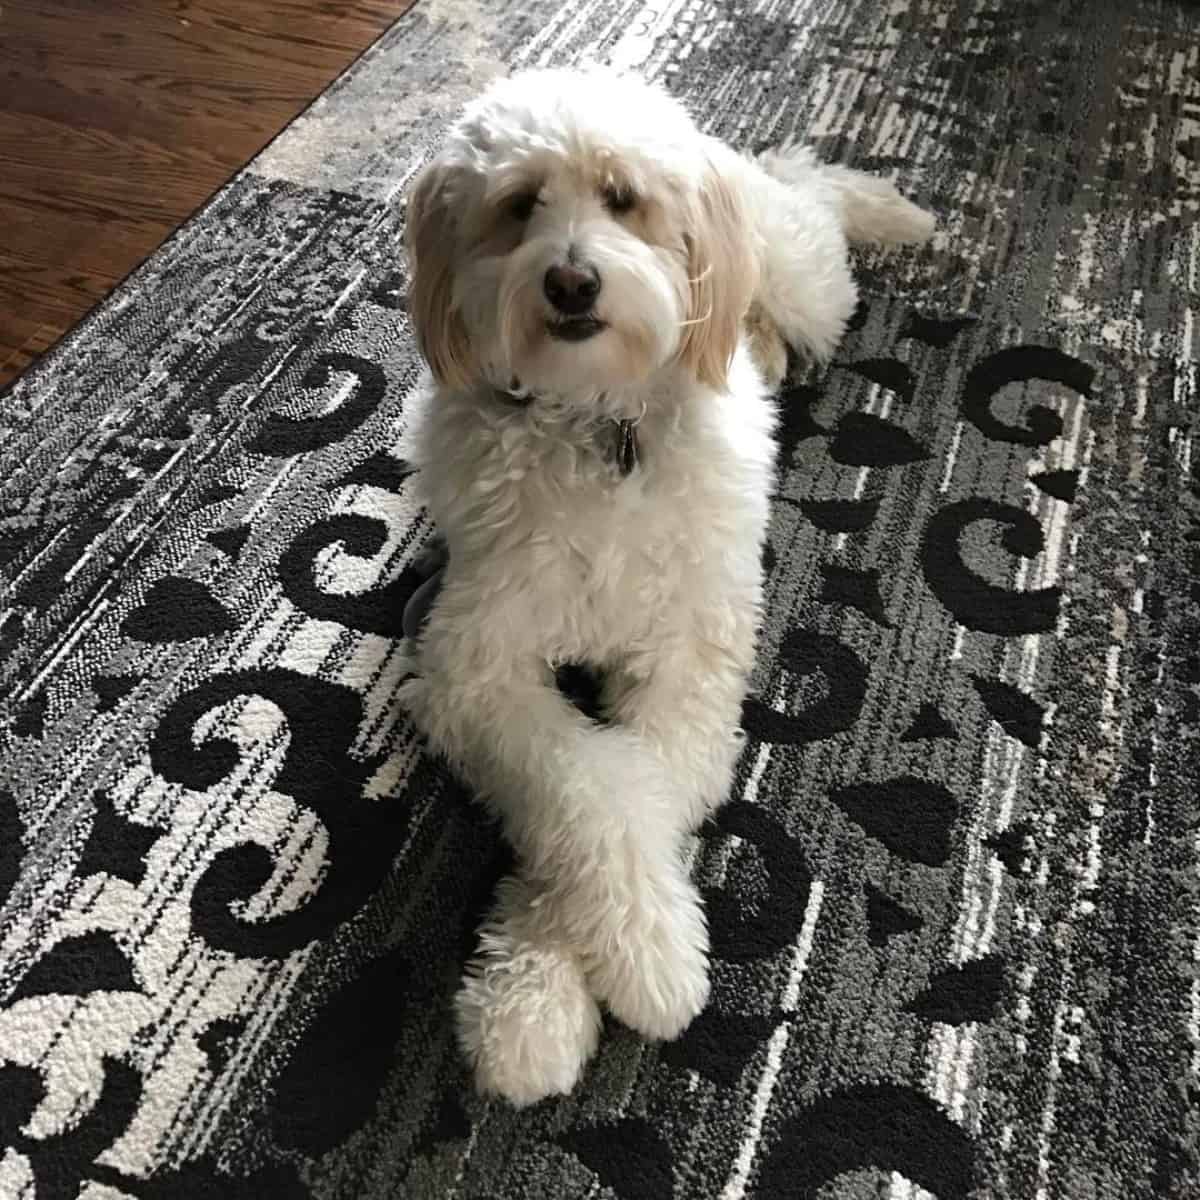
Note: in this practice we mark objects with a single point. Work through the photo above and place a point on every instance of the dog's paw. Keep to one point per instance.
(527, 1022)
(768, 349)
(655, 976)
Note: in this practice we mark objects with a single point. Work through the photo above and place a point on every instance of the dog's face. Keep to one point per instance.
(576, 234)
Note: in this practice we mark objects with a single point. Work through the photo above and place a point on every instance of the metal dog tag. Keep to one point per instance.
(627, 447)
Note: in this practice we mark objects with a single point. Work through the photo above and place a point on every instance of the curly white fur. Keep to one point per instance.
(556, 555)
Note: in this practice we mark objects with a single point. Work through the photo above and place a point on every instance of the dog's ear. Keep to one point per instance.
(429, 239)
(722, 268)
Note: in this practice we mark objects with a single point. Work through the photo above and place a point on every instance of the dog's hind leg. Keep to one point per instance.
(807, 215)
(805, 284)
(768, 349)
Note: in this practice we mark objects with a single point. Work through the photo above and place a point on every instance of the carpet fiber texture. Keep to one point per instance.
(954, 895)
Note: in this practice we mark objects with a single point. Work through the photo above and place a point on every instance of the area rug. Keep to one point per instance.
(955, 894)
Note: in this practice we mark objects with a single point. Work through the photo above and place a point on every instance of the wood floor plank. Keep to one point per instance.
(118, 119)
(51, 289)
(23, 341)
(47, 232)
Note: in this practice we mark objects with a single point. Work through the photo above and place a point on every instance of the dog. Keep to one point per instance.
(603, 294)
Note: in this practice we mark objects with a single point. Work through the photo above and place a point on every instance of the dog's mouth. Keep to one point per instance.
(575, 329)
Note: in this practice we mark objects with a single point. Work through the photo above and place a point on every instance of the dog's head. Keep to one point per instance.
(576, 234)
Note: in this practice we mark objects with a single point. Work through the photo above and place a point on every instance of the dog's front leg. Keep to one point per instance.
(526, 1018)
(684, 699)
(603, 900)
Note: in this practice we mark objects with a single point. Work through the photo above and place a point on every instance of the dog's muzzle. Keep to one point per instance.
(577, 329)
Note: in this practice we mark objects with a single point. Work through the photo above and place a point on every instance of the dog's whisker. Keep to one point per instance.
(697, 320)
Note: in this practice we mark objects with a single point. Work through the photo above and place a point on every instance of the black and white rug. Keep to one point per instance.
(955, 896)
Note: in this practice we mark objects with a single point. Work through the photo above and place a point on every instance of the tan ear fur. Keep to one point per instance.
(429, 238)
(723, 274)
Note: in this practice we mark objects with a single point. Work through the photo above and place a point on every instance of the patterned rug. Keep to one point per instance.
(955, 896)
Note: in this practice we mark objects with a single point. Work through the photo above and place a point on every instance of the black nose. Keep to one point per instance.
(571, 289)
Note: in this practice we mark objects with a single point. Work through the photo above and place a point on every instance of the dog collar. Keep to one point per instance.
(626, 440)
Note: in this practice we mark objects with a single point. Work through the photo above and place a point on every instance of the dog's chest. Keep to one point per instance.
(586, 560)
(612, 557)
(621, 537)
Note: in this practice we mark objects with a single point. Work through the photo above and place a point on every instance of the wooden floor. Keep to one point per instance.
(119, 117)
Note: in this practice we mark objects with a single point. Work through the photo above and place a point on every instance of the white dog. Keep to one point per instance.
(596, 448)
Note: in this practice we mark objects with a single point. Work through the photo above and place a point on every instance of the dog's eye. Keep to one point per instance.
(618, 199)
(521, 207)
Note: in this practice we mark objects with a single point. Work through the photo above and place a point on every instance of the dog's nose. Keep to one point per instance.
(571, 289)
